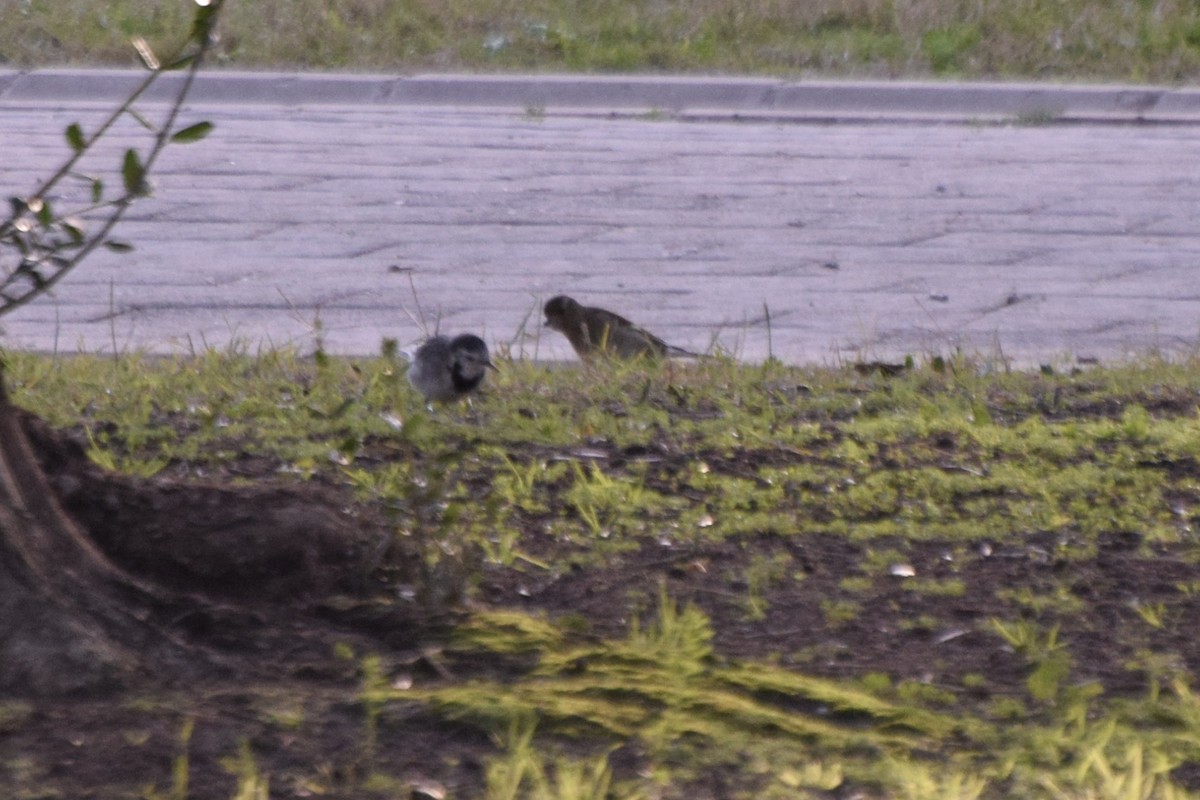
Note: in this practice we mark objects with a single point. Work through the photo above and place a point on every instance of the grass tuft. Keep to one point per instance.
(818, 544)
(1126, 40)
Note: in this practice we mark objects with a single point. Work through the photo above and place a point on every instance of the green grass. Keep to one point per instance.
(1125, 40)
(929, 479)
(926, 456)
(947, 456)
(763, 548)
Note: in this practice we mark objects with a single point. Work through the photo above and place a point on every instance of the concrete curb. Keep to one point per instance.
(702, 96)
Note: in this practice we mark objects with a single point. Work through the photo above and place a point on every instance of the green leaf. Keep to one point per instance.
(74, 229)
(133, 173)
(97, 190)
(192, 133)
(75, 137)
(45, 215)
(118, 246)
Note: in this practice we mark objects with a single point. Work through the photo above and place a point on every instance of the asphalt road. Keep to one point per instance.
(1041, 223)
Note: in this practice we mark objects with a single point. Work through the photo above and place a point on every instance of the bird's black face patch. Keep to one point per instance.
(556, 310)
(463, 382)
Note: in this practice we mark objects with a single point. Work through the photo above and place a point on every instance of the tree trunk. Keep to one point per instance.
(70, 620)
(153, 579)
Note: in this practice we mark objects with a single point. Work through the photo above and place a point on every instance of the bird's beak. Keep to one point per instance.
(490, 364)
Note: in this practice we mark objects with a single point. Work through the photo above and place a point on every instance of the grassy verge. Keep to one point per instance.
(944, 583)
(1125, 40)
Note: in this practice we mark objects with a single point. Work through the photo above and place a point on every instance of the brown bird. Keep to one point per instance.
(596, 331)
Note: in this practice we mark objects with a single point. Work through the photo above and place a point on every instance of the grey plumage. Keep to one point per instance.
(445, 369)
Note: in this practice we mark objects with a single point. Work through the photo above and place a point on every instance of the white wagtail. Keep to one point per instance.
(593, 331)
(445, 369)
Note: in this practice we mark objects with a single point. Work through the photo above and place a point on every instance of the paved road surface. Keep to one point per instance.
(872, 220)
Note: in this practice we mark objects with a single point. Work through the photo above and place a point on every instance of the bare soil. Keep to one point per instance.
(306, 567)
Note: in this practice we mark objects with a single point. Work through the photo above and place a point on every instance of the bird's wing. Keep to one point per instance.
(655, 342)
(616, 325)
(616, 322)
